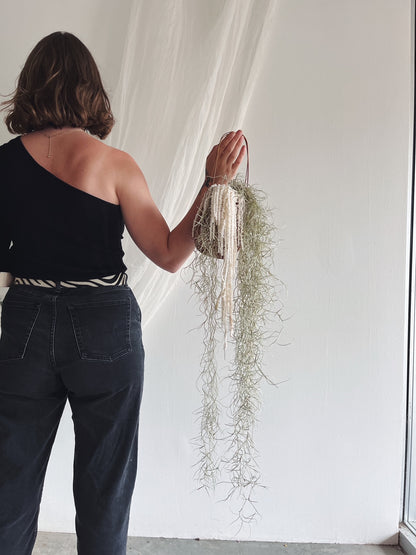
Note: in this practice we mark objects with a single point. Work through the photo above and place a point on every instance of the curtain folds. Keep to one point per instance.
(188, 72)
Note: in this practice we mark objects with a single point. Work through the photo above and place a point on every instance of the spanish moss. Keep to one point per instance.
(238, 292)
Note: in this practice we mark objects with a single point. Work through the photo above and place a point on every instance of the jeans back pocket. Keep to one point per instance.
(18, 319)
(101, 328)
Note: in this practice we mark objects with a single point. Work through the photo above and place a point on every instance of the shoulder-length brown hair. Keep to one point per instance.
(59, 85)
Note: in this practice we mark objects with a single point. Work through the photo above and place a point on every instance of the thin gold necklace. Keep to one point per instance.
(50, 155)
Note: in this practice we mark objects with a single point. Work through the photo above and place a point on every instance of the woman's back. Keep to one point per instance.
(60, 211)
(77, 159)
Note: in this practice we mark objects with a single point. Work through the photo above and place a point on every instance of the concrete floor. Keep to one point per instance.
(65, 544)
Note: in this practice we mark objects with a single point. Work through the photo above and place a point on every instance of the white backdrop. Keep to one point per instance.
(328, 122)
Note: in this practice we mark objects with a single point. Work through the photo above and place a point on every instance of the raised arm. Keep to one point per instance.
(146, 225)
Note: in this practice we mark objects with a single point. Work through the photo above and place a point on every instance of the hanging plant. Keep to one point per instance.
(233, 277)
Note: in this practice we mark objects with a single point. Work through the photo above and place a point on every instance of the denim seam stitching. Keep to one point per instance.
(27, 337)
(52, 334)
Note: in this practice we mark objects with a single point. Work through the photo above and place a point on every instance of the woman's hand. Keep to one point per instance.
(225, 157)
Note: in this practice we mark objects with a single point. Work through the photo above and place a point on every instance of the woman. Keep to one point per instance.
(71, 326)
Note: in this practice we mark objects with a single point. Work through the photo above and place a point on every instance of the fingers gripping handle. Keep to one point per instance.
(246, 180)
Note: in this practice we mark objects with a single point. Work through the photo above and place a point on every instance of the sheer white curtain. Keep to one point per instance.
(188, 72)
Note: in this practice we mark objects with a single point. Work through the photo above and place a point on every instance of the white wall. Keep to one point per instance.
(329, 138)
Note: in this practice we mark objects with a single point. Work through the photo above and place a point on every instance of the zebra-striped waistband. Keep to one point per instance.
(116, 279)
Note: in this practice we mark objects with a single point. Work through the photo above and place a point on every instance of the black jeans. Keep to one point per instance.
(84, 344)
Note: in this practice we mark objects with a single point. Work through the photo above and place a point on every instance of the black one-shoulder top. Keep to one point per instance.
(50, 229)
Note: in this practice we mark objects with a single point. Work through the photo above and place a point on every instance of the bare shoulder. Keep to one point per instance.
(125, 168)
(118, 156)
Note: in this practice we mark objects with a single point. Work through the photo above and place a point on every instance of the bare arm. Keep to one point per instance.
(146, 225)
